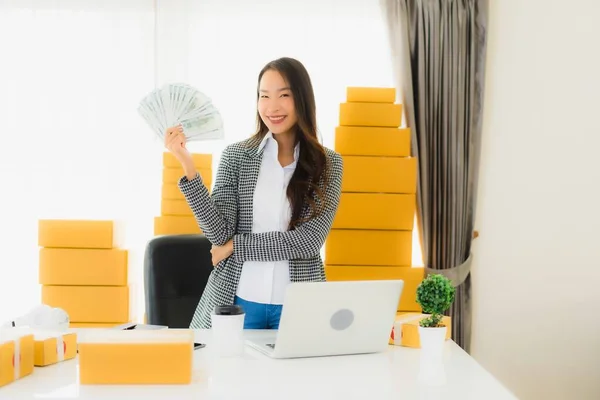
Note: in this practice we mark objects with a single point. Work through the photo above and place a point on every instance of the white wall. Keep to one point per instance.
(537, 263)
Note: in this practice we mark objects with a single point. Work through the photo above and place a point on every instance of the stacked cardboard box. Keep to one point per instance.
(83, 271)
(176, 217)
(371, 237)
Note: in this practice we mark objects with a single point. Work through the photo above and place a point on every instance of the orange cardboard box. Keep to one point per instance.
(93, 267)
(170, 191)
(384, 211)
(134, 357)
(176, 225)
(96, 324)
(173, 175)
(372, 141)
(51, 348)
(175, 208)
(361, 94)
(379, 174)
(93, 234)
(89, 303)
(201, 161)
(347, 247)
(371, 114)
(16, 354)
(405, 331)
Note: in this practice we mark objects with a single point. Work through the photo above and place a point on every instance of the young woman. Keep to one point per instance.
(273, 202)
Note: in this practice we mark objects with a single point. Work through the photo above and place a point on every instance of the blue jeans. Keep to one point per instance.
(259, 315)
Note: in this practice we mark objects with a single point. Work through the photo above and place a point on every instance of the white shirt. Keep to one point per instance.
(265, 282)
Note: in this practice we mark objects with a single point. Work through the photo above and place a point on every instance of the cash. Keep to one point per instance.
(181, 104)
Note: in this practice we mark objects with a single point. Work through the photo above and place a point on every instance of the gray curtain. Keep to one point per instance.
(438, 49)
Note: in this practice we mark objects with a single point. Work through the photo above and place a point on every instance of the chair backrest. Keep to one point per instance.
(176, 269)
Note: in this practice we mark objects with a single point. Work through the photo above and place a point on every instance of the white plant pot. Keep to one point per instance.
(432, 342)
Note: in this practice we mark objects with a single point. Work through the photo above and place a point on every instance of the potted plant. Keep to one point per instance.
(435, 294)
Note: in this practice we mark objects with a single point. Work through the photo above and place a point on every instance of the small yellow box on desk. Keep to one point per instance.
(372, 141)
(362, 94)
(16, 354)
(406, 329)
(51, 348)
(175, 225)
(65, 233)
(134, 357)
(93, 267)
(379, 174)
(371, 114)
(201, 161)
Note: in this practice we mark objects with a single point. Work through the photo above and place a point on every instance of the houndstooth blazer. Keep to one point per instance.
(227, 214)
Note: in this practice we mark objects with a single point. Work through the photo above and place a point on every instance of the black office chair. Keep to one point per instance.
(176, 269)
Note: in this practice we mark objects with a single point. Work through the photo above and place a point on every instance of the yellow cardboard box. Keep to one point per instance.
(173, 175)
(412, 277)
(372, 141)
(51, 348)
(362, 94)
(379, 174)
(92, 234)
(170, 191)
(200, 160)
(384, 211)
(349, 247)
(371, 114)
(136, 357)
(175, 225)
(89, 303)
(175, 208)
(96, 324)
(16, 354)
(405, 331)
(94, 267)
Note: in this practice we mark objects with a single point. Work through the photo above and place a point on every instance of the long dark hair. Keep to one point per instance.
(312, 160)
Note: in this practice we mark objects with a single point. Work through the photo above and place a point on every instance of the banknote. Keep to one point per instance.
(180, 103)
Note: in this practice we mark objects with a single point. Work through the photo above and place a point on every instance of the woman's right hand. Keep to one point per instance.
(175, 143)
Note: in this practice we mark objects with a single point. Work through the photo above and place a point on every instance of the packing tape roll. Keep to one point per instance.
(17, 358)
(60, 349)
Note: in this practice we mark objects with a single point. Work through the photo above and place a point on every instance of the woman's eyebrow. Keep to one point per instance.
(279, 90)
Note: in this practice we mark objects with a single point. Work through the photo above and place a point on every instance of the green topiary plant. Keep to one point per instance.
(435, 294)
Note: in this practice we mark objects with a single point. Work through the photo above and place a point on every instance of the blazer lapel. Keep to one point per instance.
(248, 178)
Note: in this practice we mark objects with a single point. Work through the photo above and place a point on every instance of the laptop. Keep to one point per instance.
(333, 318)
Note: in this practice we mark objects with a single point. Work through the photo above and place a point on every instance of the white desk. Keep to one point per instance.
(393, 374)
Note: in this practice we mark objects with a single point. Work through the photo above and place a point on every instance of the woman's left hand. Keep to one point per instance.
(219, 253)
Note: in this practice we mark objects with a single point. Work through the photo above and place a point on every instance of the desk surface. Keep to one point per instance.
(394, 374)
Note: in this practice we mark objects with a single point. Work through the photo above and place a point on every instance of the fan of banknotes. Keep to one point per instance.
(179, 103)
